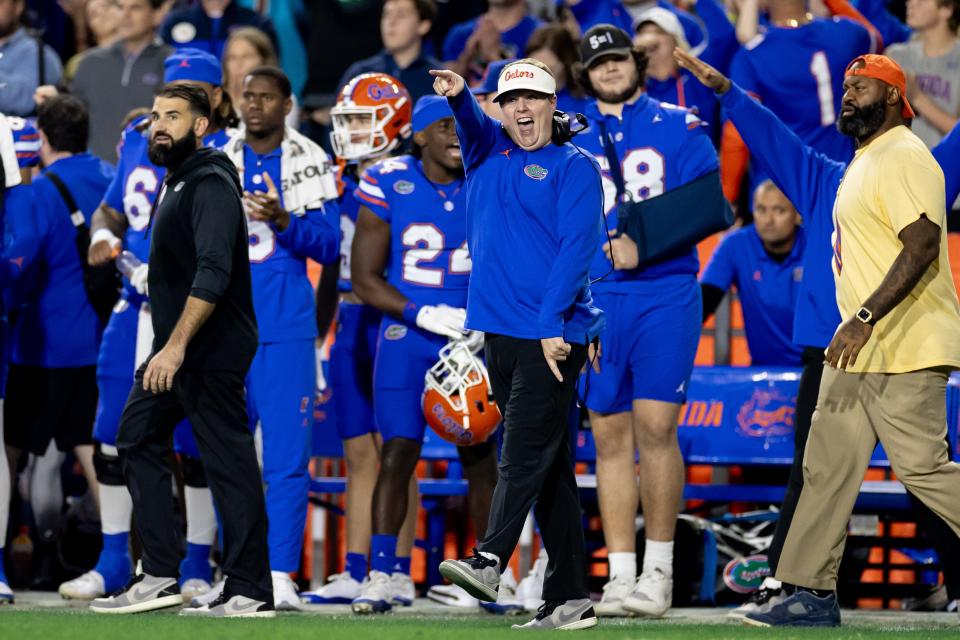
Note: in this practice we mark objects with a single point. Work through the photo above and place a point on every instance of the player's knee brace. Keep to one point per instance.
(106, 463)
(193, 473)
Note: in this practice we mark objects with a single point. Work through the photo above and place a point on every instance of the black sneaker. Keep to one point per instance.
(769, 594)
(478, 575)
(800, 609)
(566, 615)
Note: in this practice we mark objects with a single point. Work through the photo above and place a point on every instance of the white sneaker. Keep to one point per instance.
(404, 591)
(376, 595)
(508, 602)
(208, 597)
(285, 594)
(341, 588)
(614, 593)
(768, 595)
(452, 596)
(652, 595)
(193, 588)
(530, 589)
(86, 587)
(6, 593)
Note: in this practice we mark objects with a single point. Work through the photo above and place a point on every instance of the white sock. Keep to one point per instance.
(658, 555)
(771, 583)
(116, 507)
(622, 565)
(491, 556)
(201, 518)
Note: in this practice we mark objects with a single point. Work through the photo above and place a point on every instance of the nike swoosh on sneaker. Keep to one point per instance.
(140, 593)
(235, 606)
(564, 619)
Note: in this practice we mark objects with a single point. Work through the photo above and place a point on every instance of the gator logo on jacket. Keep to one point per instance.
(535, 171)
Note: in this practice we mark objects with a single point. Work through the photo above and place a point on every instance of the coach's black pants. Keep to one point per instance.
(536, 462)
(214, 402)
(937, 532)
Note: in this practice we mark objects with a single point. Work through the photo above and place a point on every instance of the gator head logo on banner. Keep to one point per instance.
(745, 575)
(768, 413)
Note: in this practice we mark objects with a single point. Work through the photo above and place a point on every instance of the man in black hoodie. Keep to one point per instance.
(205, 336)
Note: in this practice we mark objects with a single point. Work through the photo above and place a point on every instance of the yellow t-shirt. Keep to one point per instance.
(887, 186)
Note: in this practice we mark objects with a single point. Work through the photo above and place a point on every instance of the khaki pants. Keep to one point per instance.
(907, 413)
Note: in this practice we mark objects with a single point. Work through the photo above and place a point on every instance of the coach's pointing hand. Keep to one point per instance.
(446, 83)
(555, 350)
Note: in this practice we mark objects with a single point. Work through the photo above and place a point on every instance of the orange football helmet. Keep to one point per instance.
(457, 400)
(371, 117)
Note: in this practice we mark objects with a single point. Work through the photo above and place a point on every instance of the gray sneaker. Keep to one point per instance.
(565, 615)
(478, 575)
(234, 607)
(143, 593)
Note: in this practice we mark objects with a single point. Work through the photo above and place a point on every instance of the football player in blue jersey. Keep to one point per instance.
(410, 260)
(653, 327)
(371, 119)
(290, 196)
(121, 222)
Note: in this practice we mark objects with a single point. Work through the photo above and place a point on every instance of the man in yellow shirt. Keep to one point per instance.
(890, 359)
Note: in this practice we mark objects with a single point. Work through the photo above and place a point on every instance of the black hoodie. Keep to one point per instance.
(198, 247)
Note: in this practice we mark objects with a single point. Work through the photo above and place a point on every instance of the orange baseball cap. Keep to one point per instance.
(886, 70)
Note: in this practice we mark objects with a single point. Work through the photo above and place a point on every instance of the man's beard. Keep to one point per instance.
(175, 154)
(622, 96)
(863, 122)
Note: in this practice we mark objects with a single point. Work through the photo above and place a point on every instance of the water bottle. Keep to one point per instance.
(127, 262)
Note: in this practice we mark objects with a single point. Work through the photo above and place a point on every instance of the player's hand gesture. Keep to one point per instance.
(265, 207)
(706, 74)
(446, 83)
(555, 350)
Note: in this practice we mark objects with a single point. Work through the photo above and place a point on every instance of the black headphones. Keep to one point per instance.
(563, 130)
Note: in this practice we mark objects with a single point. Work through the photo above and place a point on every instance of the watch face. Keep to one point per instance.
(864, 315)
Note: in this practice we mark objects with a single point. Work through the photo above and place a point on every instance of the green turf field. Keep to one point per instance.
(77, 624)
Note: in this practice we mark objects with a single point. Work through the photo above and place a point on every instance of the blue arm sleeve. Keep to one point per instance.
(313, 234)
(22, 237)
(721, 271)
(578, 235)
(721, 34)
(806, 177)
(476, 130)
(947, 153)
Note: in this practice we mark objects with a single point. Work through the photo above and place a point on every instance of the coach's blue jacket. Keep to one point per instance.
(534, 220)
